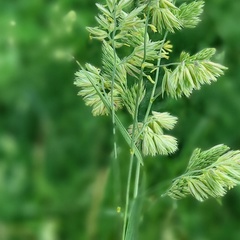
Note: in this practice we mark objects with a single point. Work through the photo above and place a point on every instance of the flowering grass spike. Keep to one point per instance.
(132, 77)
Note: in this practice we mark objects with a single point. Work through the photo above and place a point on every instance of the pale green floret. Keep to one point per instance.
(97, 33)
(164, 17)
(165, 120)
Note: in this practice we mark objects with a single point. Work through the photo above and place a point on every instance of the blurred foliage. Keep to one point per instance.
(56, 180)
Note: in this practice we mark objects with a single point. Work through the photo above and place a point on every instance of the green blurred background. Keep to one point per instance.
(56, 180)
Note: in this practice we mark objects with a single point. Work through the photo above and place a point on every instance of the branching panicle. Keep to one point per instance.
(131, 78)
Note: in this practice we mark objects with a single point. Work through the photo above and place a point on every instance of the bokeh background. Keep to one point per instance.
(56, 180)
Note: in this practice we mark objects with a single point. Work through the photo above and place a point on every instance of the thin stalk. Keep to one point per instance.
(151, 101)
(115, 163)
(169, 64)
(135, 123)
(127, 195)
(113, 81)
(137, 176)
(164, 65)
(132, 153)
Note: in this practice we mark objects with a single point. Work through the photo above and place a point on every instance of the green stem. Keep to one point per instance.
(169, 64)
(137, 177)
(135, 123)
(151, 101)
(116, 166)
(113, 81)
(127, 195)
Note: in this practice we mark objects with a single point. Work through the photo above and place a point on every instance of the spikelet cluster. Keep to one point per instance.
(191, 72)
(209, 173)
(153, 139)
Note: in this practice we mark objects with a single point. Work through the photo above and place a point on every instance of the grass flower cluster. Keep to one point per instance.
(209, 174)
(131, 61)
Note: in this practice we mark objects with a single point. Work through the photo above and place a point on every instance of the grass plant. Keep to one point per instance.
(136, 71)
